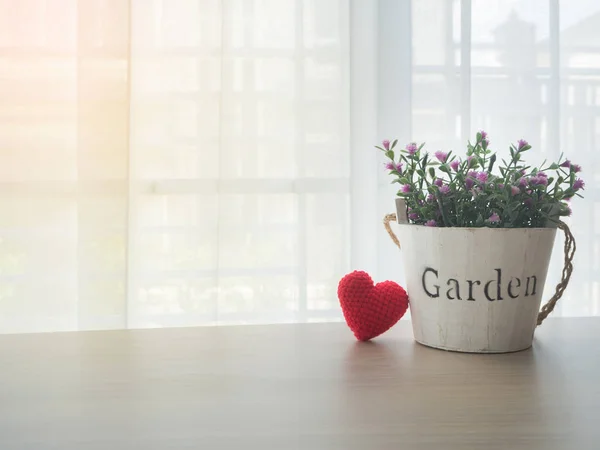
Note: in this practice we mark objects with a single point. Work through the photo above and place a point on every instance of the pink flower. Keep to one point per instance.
(567, 163)
(575, 168)
(469, 161)
(472, 174)
(394, 166)
(514, 190)
(405, 188)
(494, 218)
(528, 202)
(521, 144)
(482, 177)
(412, 148)
(568, 210)
(445, 189)
(430, 198)
(500, 186)
(438, 182)
(386, 144)
(537, 180)
(523, 182)
(469, 183)
(542, 174)
(441, 156)
(413, 216)
(579, 184)
(454, 164)
(431, 223)
(483, 134)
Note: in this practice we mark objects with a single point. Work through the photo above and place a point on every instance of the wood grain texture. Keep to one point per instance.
(296, 387)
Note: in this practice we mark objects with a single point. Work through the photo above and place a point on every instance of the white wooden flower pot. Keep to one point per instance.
(475, 289)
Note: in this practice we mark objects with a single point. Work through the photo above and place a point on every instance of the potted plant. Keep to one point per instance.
(476, 235)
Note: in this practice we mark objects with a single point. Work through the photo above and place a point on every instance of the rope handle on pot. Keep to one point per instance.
(569, 250)
(569, 253)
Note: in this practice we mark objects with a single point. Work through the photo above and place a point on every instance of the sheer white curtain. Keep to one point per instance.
(201, 162)
(172, 162)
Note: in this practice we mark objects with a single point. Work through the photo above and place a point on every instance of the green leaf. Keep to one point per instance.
(554, 166)
(403, 180)
(390, 154)
(420, 173)
(377, 146)
(432, 172)
(492, 161)
(394, 143)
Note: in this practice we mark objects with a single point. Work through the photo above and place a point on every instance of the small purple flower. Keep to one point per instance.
(579, 184)
(445, 189)
(413, 216)
(538, 181)
(521, 144)
(575, 168)
(438, 182)
(398, 167)
(523, 182)
(500, 186)
(469, 183)
(386, 144)
(469, 161)
(430, 198)
(568, 210)
(494, 218)
(528, 202)
(390, 165)
(483, 134)
(412, 148)
(514, 190)
(482, 177)
(441, 156)
(454, 164)
(431, 223)
(472, 174)
(405, 188)
(567, 163)
(542, 174)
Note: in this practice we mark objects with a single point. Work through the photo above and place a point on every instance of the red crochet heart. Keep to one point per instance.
(369, 309)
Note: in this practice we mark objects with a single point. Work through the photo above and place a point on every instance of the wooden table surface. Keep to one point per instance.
(308, 386)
